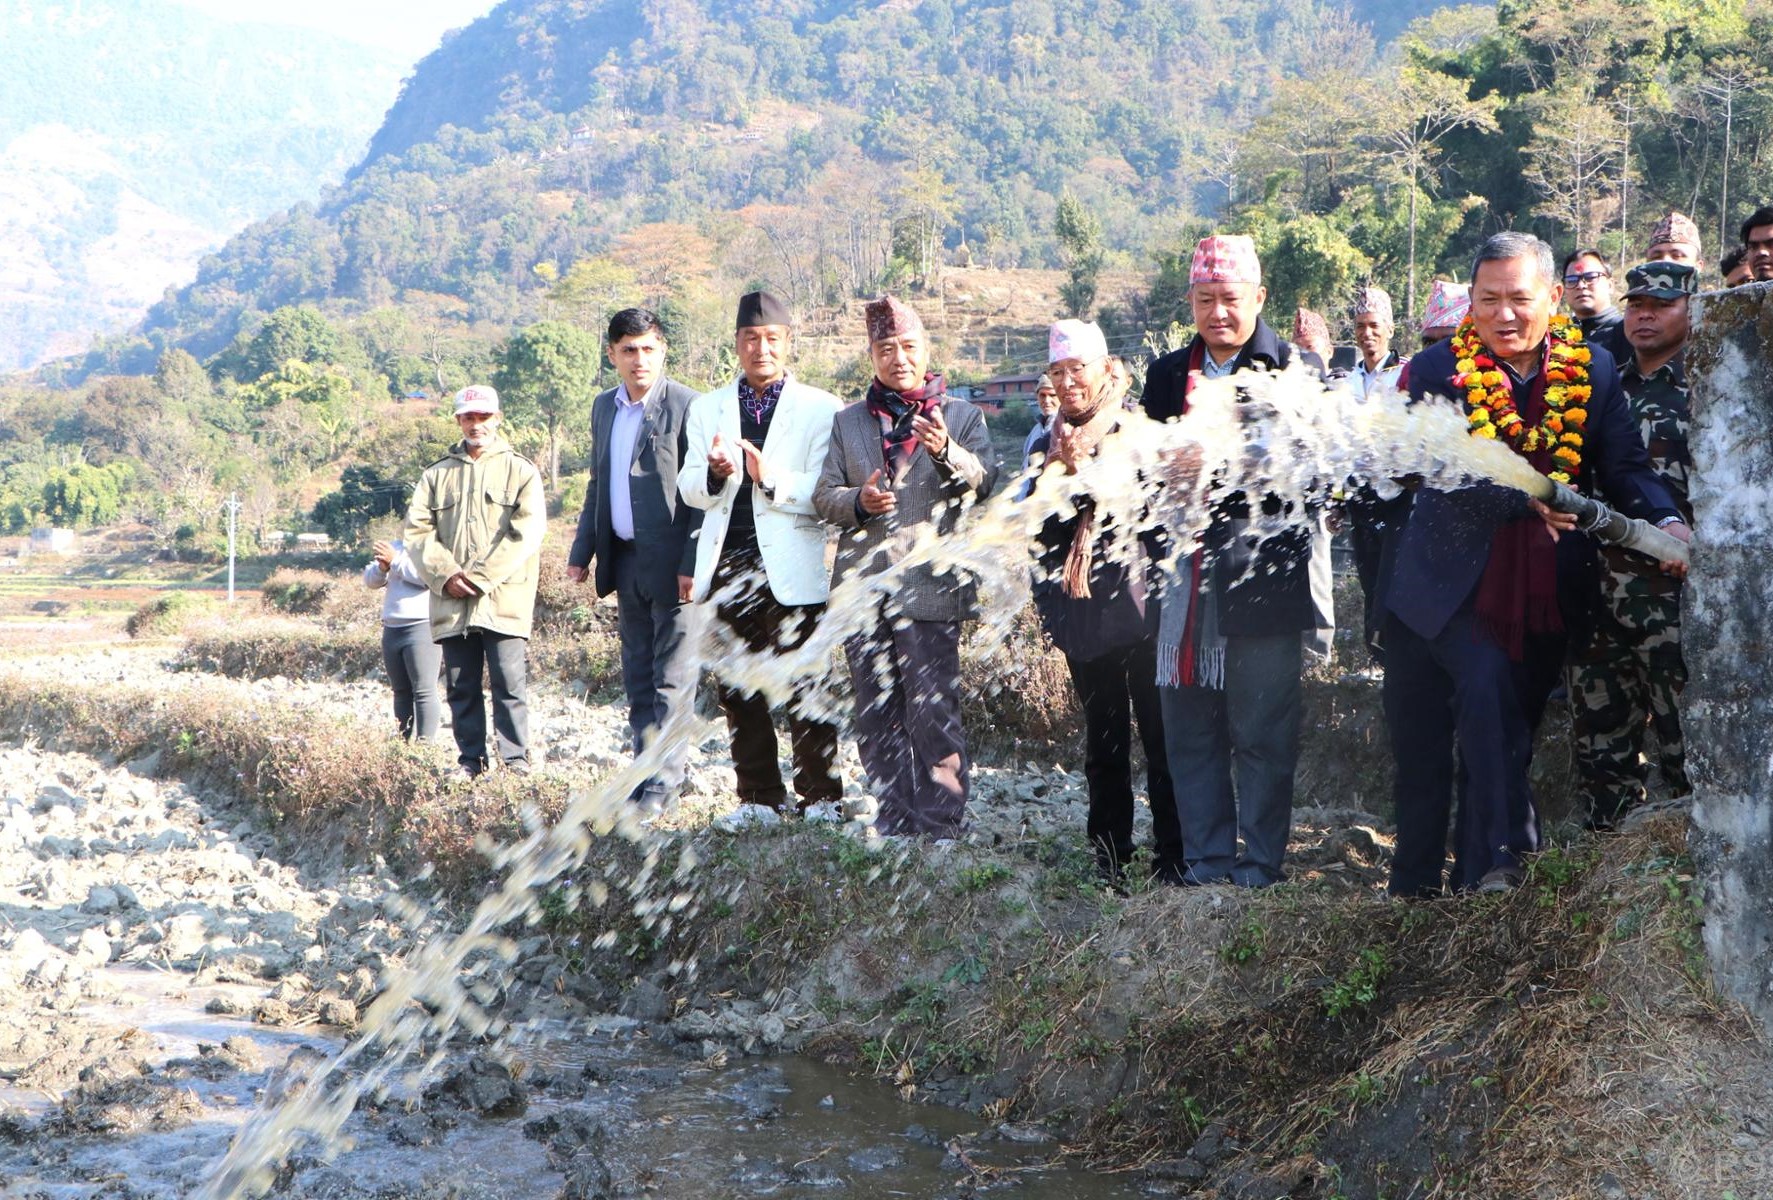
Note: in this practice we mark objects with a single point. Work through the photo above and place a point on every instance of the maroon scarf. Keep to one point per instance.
(896, 410)
(1518, 594)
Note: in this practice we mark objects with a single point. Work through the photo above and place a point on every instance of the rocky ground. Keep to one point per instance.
(164, 971)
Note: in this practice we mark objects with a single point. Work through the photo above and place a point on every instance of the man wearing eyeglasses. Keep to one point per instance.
(1588, 290)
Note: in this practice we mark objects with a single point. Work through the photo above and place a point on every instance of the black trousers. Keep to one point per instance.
(1113, 690)
(1461, 690)
(762, 623)
(650, 618)
(501, 658)
(1366, 538)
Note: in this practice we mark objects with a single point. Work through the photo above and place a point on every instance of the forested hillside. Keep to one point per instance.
(812, 145)
(133, 136)
(558, 159)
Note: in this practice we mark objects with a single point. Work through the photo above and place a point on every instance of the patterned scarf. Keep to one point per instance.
(1073, 441)
(758, 405)
(896, 410)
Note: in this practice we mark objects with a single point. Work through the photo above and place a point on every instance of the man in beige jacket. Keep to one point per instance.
(475, 534)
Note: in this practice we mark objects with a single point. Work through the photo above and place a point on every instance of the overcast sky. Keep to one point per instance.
(411, 28)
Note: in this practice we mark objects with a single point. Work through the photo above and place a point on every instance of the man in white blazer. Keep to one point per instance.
(754, 453)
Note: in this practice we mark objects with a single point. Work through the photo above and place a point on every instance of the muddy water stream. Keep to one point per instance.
(605, 1099)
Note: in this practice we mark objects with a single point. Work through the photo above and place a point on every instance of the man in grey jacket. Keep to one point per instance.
(635, 536)
(901, 458)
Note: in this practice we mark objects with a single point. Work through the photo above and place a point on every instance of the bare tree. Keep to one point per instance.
(1729, 82)
(1570, 159)
(853, 202)
(927, 205)
(791, 236)
(1424, 108)
(1628, 105)
(1219, 161)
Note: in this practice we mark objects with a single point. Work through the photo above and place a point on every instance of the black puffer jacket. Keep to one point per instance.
(1274, 595)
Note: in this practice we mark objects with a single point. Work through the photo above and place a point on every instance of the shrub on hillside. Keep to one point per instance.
(1016, 689)
(337, 598)
(164, 616)
(301, 653)
(298, 592)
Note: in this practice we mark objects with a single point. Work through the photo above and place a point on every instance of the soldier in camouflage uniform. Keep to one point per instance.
(1630, 675)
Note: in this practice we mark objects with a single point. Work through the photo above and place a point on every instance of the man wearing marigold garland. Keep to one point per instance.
(1630, 673)
(1483, 586)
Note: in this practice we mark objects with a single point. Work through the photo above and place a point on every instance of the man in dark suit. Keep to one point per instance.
(1232, 627)
(635, 537)
(904, 458)
(1481, 587)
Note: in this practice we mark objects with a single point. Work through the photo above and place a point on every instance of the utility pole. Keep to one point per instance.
(232, 504)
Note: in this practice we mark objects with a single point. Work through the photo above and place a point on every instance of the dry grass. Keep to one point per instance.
(262, 650)
(1453, 1048)
(338, 600)
(1017, 694)
(329, 628)
(366, 794)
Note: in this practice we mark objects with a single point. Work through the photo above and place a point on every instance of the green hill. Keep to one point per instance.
(543, 132)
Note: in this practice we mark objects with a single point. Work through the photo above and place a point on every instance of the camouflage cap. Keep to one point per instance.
(1663, 280)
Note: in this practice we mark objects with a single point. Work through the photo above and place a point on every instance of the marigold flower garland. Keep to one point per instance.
(1491, 400)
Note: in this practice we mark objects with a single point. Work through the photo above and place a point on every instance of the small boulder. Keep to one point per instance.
(876, 1158)
(483, 1085)
(588, 1178)
(334, 1009)
(185, 936)
(238, 1052)
(270, 1011)
(568, 1131)
(101, 899)
(645, 1000)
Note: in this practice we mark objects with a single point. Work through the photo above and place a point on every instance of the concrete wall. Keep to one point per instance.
(1727, 635)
